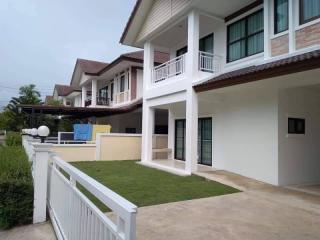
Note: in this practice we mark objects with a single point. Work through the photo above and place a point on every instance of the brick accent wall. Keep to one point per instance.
(308, 36)
(133, 83)
(280, 45)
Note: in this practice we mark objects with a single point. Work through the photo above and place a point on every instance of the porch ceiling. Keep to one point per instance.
(222, 8)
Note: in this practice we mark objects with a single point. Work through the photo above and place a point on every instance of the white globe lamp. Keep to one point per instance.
(43, 132)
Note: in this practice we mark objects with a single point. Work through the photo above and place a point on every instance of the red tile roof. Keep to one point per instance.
(91, 67)
(64, 90)
(159, 57)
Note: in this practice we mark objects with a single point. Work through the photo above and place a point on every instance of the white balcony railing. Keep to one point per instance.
(209, 62)
(170, 69)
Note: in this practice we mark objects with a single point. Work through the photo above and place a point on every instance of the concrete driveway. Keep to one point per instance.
(261, 212)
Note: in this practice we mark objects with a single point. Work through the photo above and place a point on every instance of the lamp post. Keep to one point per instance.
(43, 132)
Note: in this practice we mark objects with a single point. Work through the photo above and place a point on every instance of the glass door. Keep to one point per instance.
(180, 131)
(205, 141)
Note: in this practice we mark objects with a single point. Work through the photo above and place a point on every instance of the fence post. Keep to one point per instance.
(40, 178)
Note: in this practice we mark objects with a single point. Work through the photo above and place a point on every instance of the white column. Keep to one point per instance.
(267, 28)
(147, 112)
(292, 35)
(83, 96)
(192, 67)
(171, 132)
(40, 173)
(147, 133)
(148, 65)
(94, 93)
(191, 147)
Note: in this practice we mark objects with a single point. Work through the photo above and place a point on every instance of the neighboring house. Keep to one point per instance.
(115, 87)
(242, 86)
(67, 95)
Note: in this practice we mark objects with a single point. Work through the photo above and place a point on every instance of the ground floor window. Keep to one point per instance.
(180, 137)
(205, 141)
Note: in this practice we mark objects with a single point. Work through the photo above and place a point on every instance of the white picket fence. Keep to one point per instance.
(74, 216)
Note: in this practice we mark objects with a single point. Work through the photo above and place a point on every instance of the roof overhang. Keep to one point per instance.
(80, 112)
(289, 65)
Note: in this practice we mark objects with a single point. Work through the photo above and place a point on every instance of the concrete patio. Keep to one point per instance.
(261, 212)
(31, 232)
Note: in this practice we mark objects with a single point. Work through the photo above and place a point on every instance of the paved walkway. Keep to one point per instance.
(31, 232)
(261, 212)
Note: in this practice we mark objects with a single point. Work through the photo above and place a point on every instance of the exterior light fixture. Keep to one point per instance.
(34, 132)
(43, 132)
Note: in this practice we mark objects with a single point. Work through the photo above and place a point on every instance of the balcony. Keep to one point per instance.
(208, 62)
(122, 97)
(101, 101)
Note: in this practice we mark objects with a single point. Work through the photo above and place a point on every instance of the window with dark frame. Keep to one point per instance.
(122, 83)
(245, 37)
(281, 16)
(296, 126)
(309, 10)
(111, 91)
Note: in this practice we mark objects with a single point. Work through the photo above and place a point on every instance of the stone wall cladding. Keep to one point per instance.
(308, 36)
(280, 45)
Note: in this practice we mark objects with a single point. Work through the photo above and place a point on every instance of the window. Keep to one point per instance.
(245, 37)
(206, 44)
(122, 83)
(281, 11)
(296, 126)
(111, 92)
(182, 51)
(309, 10)
(180, 133)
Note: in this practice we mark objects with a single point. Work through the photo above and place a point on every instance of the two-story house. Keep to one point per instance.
(241, 88)
(66, 95)
(110, 89)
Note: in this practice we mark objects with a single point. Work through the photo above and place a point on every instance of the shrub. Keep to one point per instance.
(16, 188)
(13, 139)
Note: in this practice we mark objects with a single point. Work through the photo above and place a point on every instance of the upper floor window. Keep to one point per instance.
(281, 12)
(245, 37)
(309, 10)
(206, 44)
(122, 83)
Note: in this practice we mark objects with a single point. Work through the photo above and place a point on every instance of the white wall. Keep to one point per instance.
(299, 160)
(245, 132)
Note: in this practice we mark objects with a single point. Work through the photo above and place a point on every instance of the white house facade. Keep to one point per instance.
(241, 88)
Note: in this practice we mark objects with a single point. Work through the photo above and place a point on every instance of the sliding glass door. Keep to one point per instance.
(204, 140)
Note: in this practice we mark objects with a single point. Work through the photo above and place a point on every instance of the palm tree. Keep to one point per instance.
(27, 95)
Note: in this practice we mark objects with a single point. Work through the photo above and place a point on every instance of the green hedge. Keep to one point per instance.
(16, 188)
(13, 139)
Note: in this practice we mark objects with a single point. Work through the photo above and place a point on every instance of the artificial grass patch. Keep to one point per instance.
(145, 186)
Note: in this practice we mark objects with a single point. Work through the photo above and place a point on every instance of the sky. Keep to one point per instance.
(40, 40)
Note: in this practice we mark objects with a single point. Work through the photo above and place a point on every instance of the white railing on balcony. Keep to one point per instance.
(209, 62)
(75, 217)
(170, 69)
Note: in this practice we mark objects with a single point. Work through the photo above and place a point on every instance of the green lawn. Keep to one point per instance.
(145, 186)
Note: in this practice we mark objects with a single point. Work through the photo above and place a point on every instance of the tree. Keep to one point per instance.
(16, 120)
